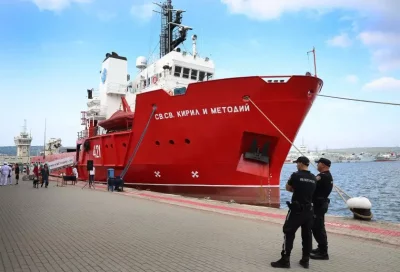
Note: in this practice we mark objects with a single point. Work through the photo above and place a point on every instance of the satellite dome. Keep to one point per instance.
(141, 62)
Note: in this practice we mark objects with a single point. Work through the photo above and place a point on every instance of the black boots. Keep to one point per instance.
(318, 254)
(305, 262)
(283, 262)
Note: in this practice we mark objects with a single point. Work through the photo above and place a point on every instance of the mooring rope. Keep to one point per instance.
(360, 100)
(125, 170)
(366, 217)
(338, 190)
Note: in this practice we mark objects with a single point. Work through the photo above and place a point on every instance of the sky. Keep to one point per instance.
(51, 52)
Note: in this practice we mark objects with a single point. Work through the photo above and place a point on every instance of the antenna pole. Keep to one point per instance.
(44, 140)
(315, 61)
(24, 128)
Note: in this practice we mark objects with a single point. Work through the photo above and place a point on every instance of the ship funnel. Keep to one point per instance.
(90, 93)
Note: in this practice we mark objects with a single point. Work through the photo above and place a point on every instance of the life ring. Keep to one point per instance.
(155, 79)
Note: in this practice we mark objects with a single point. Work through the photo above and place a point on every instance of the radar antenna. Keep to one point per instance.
(173, 33)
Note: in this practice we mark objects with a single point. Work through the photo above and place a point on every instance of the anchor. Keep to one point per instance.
(255, 154)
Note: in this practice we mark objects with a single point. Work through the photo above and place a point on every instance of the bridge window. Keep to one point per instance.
(178, 71)
(186, 72)
(209, 76)
(202, 75)
(194, 74)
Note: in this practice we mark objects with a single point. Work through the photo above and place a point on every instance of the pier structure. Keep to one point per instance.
(70, 229)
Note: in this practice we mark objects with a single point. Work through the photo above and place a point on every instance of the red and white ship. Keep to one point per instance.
(174, 129)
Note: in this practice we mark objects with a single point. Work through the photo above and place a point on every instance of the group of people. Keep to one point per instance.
(307, 209)
(41, 175)
(6, 173)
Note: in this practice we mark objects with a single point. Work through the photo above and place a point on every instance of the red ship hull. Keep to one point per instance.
(195, 144)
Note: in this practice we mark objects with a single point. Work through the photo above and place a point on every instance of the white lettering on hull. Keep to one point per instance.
(60, 163)
(204, 111)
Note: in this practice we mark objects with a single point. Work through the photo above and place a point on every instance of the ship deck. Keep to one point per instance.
(70, 229)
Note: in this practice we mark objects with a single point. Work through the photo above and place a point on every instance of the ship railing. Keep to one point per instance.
(82, 134)
(96, 112)
(94, 101)
(116, 88)
(276, 79)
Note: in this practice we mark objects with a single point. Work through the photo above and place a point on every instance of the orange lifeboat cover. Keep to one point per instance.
(119, 120)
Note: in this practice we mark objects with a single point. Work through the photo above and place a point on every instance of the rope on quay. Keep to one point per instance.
(360, 100)
(356, 212)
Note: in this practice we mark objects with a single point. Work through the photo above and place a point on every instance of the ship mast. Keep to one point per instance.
(171, 20)
(315, 61)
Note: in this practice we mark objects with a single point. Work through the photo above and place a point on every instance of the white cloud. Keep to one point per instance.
(379, 16)
(385, 47)
(142, 12)
(383, 84)
(352, 79)
(379, 38)
(341, 40)
(56, 5)
(272, 9)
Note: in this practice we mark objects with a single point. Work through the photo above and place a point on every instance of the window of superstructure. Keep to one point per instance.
(178, 71)
(186, 72)
(193, 75)
(202, 75)
(148, 82)
(209, 76)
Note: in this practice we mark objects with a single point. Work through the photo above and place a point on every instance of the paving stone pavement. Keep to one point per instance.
(70, 229)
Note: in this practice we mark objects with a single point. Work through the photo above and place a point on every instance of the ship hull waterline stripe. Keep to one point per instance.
(204, 185)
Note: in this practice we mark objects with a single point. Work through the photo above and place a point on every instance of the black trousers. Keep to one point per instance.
(91, 179)
(319, 231)
(295, 219)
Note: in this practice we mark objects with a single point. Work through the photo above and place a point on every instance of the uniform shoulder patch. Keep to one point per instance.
(318, 177)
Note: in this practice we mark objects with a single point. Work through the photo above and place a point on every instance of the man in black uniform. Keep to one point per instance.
(302, 183)
(321, 203)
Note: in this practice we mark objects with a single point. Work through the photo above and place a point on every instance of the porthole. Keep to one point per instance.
(157, 143)
(187, 141)
(171, 142)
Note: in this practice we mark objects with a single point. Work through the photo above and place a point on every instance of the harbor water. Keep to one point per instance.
(377, 181)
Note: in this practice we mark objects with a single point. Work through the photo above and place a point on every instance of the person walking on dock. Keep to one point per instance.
(321, 204)
(4, 172)
(45, 175)
(302, 183)
(9, 177)
(75, 173)
(16, 171)
(36, 176)
(91, 176)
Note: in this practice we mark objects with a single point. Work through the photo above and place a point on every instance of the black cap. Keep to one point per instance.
(325, 161)
(303, 160)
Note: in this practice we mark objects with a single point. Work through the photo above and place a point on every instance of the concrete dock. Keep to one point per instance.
(70, 229)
